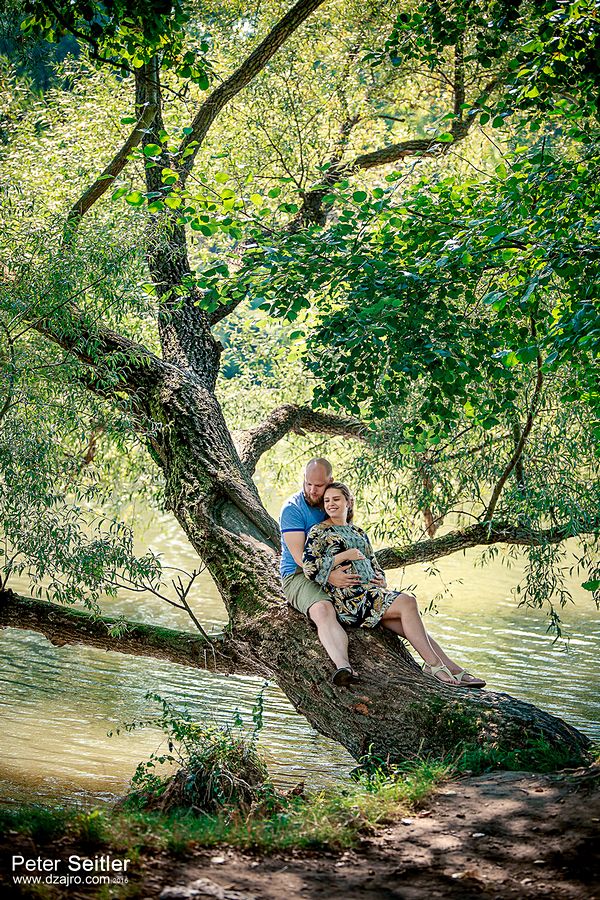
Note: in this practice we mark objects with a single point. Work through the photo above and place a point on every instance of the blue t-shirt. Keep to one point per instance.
(296, 515)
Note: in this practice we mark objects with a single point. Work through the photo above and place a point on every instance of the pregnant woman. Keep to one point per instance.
(337, 542)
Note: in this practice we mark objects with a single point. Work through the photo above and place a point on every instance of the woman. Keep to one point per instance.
(336, 541)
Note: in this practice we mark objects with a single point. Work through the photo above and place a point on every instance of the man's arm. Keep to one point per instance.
(340, 577)
(295, 541)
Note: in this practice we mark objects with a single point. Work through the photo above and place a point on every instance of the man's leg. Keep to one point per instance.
(331, 633)
(310, 600)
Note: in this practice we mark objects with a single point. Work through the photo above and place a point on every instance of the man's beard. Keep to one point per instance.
(316, 504)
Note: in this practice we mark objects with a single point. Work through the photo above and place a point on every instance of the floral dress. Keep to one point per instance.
(362, 604)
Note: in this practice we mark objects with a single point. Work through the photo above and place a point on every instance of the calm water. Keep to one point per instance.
(57, 704)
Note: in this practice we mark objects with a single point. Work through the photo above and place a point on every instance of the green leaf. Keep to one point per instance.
(593, 585)
(202, 81)
(135, 198)
(152, 150)
(359, 196)
(527, 354)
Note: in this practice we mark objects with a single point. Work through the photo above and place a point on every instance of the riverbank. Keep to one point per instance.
(502, 835)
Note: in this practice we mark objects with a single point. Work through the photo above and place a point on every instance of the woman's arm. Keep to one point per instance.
(347, 556)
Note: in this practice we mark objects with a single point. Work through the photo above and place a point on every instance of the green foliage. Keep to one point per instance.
(53, 480)
(51, 532)
(443, 287)
(126, 33)
(217, 767)
(540, 50)
(535, 755)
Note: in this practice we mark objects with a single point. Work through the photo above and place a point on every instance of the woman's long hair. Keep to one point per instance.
(345, 490)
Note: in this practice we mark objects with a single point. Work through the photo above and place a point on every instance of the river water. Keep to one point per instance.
(58, 704)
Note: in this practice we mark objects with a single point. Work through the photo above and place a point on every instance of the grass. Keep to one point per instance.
(536, 755)
(333, 818)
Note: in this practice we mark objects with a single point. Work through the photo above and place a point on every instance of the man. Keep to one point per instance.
(298, 515)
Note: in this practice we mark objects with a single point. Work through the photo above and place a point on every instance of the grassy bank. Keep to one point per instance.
(211, 786)
(334, 818)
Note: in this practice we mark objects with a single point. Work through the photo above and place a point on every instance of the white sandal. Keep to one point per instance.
(475, 683)
(434, 670)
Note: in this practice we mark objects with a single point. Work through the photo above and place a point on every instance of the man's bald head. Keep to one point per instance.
(318, 473)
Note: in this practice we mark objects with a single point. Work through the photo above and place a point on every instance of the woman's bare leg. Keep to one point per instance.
(403, 618)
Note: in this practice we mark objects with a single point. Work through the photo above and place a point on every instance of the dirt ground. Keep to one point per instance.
(505, 835)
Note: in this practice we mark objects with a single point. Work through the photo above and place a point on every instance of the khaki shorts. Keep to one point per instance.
(301, 593)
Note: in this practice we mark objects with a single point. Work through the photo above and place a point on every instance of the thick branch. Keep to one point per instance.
(312, 212)
(242, 76)
(481, 534)
(67, 625)
(253, 443)
(112, 170)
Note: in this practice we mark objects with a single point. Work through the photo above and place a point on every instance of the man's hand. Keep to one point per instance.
(342, 578)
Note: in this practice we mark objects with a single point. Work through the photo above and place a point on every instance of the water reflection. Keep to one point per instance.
(57, 704)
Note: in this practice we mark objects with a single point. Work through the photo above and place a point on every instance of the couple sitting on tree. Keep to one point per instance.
(330, 574)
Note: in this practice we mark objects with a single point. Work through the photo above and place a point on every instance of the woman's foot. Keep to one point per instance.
(441, 673)
(465, 679)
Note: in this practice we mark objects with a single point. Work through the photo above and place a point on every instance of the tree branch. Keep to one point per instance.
(311, 207)
(67, 625)
(112, 170)
(253, 443)
(242, 76)
(481, 534)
